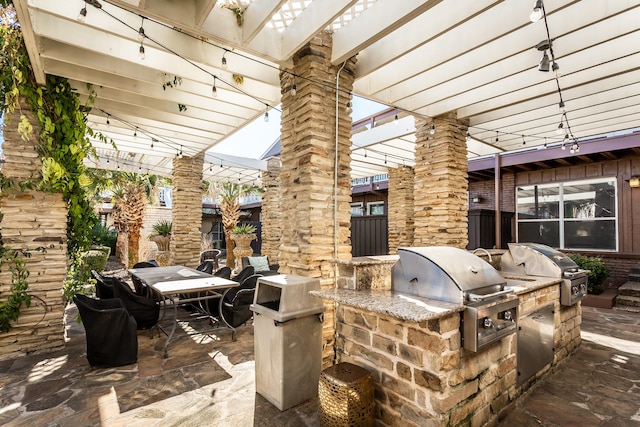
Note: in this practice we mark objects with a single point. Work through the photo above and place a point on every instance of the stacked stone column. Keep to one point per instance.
(401, 209)
(441, 183)
(310, 236)
(36, 222)
(186, 215)
(271, 211)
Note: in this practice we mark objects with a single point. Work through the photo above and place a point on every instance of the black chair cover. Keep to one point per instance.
(236, 302)
(141, 288)
(112, 339)
(206, 267)
(145, 310)
(224, 272)
(104, 285)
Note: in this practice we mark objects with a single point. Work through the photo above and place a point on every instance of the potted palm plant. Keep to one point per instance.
(243, 235)
(161, 235)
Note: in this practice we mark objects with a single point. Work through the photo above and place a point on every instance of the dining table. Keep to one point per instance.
(179, 284)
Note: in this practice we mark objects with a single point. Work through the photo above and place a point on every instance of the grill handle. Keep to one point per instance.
(476, 297)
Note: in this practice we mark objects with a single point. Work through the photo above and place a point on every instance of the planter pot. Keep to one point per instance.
(163, 242)
(163, 258)
(243, 245)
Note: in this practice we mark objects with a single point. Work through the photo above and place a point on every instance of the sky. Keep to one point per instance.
(255, 139)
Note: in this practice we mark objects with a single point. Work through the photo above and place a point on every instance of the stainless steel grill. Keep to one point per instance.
(535, 259)
(454, 275)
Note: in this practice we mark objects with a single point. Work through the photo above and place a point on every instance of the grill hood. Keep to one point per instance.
(538, 260)
(443, 273)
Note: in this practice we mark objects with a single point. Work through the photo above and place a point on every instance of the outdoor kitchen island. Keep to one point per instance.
(413, 346)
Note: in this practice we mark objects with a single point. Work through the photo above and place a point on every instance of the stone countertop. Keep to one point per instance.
(402, 306)
(367, 260)
(418, 309)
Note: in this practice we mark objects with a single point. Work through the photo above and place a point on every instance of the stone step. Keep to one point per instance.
(630, 288)
(627, 308)
(634, 273)
(627, 301)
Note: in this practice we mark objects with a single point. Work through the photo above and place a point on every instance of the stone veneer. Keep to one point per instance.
(271, 211)
(186, 213)
(32, 220)
(308, 139)
(440, 192)
(401, 208)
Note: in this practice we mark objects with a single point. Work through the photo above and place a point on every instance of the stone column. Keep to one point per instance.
(401, 210)
(441, 182)
(271, 211)
(34, 221)
(307, 176)
(186, 214)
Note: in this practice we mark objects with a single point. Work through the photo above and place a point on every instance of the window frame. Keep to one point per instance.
(562, 220)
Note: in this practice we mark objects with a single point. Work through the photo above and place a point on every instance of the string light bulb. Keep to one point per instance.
(141, 54)
(538, 11)
(432, 129)
(266, 114)
(523, 141)
(560, 128)
(348, 107)
(565, 140)
(141, 34)
(214, 90)
(468, 136)
(224, 60)
(135, 133)
(556, 69)
(562, 107)
(294, 88)
(497, 139)
(82, 15)
(108, 122)
(395, 120)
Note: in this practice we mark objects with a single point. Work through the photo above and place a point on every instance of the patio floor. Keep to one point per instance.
(209, 381)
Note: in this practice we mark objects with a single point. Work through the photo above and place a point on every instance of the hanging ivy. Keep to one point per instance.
(63, 143)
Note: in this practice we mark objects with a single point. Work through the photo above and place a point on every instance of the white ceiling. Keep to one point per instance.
(424, 57)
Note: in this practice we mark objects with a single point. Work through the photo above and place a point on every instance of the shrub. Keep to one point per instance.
(103, 236)
(598, 271)
(161, 228)
(243, 229)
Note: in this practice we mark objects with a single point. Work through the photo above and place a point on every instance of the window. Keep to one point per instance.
(357, 209)
(375, 208)
(570, 215)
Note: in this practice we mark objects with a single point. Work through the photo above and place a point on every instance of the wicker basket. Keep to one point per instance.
(345, 395)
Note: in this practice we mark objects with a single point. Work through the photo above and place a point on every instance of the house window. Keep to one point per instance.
(569, 215)
(357, 209)
(375, 208)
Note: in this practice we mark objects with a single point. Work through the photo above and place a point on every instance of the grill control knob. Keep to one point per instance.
(487, 323)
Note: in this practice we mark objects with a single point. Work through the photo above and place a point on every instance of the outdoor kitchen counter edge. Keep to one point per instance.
(525, 284)
(402, 306)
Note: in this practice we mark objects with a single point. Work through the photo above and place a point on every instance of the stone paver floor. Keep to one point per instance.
(209, 381)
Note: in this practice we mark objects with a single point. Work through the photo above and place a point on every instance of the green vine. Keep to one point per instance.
(10, 309)
(62, 144)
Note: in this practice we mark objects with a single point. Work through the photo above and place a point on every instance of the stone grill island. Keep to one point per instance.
(413, 348)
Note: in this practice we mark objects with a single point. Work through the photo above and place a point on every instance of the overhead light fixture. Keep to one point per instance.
(634, 182)
(538, 11)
